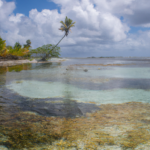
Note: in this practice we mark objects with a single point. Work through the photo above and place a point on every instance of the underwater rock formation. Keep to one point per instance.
(66, 108)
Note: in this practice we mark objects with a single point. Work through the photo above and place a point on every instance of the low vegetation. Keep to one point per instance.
(22, 52)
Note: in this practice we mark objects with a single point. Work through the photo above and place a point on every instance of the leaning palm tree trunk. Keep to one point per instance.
(47, 55)
(64, 27)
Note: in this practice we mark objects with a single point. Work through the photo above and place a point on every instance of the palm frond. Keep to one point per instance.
(63, 24)
(62, 29)
(66, 25)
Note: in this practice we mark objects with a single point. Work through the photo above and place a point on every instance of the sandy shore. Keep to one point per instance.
(17, 62)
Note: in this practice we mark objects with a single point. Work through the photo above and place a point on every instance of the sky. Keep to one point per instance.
(103, 28)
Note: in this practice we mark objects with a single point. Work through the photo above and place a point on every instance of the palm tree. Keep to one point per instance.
(64, 27)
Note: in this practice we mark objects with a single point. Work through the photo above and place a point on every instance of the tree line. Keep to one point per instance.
(17, 50)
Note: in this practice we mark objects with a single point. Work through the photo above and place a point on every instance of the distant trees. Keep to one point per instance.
(66, 27)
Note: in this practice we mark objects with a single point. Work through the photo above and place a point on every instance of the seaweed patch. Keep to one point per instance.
(114, 125)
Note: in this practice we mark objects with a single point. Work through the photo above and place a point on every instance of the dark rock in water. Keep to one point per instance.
(46, 107)
(85, 70)
(67, 108)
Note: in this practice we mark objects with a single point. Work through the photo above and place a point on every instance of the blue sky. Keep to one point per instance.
(24, 6)
(138, 29)
(135, 29)
(103, 28)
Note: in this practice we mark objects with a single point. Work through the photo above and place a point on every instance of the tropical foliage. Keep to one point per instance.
(28, 44)
(66, 27)
(3, 49)
(16, 50)
(47, 50)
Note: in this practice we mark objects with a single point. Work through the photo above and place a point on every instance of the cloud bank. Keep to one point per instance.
(98, 31)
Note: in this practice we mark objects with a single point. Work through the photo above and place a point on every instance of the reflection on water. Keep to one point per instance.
(69, 106)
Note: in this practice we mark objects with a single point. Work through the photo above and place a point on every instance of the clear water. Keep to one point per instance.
(100, 84)
(34, 89)
(37, 97)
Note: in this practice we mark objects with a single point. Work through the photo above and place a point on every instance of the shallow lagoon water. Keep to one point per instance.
(107, 100)
(34, 89)
(100, 84)
(106, 80)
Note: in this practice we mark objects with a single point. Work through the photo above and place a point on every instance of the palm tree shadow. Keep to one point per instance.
(70, 106)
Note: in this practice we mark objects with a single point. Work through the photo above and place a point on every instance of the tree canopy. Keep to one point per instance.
(66, 26)
(17, 50)
(28, 44)
(47, 50)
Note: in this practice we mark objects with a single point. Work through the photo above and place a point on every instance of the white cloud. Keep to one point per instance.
(135, 12)
(1, 3)
(16, 19)
(98, 29)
